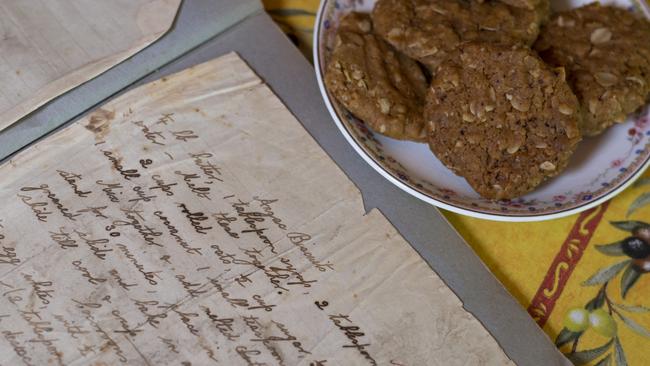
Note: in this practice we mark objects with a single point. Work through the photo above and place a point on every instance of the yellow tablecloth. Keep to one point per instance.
(554, 266)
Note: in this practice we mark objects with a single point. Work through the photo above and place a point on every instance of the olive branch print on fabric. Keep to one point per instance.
(602, 315)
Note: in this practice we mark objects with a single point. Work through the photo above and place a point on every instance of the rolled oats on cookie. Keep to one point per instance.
(606, 53)
(526, 4)
(502, 119)
(375, 82)
(430, 31)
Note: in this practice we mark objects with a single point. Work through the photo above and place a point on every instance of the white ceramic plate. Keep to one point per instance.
(601, 167)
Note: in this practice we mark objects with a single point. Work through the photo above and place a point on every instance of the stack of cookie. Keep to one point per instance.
(502, 91)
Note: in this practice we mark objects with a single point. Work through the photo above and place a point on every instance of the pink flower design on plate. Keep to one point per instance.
(448, 192)
(616, 163)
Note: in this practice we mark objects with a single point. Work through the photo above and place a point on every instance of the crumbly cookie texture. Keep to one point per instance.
(430, 31)
(376, 83)
(606, 52)
(526, 4)
(502, 119)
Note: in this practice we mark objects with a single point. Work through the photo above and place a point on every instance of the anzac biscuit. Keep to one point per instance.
(377, 84)
(526, 4)
(502, 119)
(430, 31)
(606, 53)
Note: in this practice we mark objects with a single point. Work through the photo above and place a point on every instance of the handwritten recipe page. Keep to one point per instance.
(193, 221)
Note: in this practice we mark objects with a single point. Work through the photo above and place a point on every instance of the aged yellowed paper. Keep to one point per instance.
(193, 221)
(48, 47)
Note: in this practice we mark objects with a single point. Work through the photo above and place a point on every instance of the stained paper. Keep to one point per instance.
(193, 221)
(49, 47)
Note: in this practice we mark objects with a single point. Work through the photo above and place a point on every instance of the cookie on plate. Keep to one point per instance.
(502, 119)
(606, 53)
(376, 83)
(526, 4)
(430, 31)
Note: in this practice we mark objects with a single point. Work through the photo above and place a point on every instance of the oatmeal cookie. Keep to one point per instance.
(526, 4)
(430, 31)
(376, 83)
(606, 52)
(502, 119)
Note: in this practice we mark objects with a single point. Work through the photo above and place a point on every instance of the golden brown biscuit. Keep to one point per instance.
(502, 119)
(526, 4)
(431, 30)
(377, 84)
(606, 52)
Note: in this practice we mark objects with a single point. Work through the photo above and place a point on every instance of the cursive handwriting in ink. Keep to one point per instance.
(195, 218)
(160, 184)
(116, 163)
(149, 134)
(72, 179)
